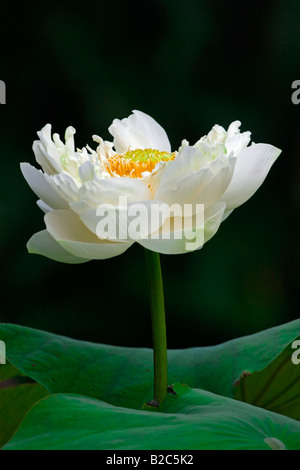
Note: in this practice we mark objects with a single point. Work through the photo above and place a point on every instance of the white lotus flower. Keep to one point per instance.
(220, 171)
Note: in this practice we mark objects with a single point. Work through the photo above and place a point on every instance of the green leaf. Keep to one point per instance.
(17, 394)
(194, 419)
(276, 387)
(124, 376)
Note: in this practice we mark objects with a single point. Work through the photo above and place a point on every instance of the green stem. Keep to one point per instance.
(155, 286)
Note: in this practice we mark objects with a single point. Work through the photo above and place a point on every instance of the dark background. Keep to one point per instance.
(189, 64)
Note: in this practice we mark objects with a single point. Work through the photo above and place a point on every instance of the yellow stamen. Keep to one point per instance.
(135, 162)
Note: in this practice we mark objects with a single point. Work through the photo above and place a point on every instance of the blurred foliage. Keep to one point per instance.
(190, 65)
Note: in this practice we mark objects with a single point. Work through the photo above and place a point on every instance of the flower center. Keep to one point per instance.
(134, 162)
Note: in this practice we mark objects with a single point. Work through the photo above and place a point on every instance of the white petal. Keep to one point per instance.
(251, 169)
(188, 160)
(212, 221)
(69, 138)
(109, 190)
(226, 214)
(238, 142)
(42, 243)
(44, 207)
(130, 221)
(42, 187)
(48, 164)
(233, 139)
(196, 176)
(191, 159)
(138, 131)
(72, 235)
(65, 185)
(48, 145)
(86, 171)
(204, 186)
